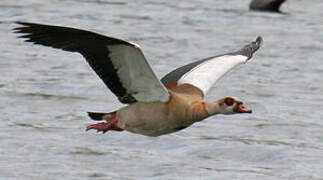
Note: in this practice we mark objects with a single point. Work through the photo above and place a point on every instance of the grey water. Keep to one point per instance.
(45, 93)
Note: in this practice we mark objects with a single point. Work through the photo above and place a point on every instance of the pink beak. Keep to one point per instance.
(240, 108)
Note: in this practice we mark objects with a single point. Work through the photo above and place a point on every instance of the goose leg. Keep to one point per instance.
(105, 126)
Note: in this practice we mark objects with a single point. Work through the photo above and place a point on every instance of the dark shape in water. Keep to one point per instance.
(266, 5)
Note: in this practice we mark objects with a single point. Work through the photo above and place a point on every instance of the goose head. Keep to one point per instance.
(232, 105)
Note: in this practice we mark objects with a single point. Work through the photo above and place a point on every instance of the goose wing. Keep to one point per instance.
(202, 75)
(121, 65)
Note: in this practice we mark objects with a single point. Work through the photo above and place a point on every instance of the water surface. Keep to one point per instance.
(45, 93)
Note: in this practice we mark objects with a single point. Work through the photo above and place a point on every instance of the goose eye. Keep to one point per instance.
(229, 101)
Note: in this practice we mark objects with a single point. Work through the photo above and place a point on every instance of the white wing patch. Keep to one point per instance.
(136, 74)
(206, 74)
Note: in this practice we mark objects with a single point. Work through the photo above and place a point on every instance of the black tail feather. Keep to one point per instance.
(97, 116)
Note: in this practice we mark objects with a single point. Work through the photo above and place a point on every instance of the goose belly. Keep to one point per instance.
(152, 119)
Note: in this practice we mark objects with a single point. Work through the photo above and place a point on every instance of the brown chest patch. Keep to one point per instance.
(187, 89)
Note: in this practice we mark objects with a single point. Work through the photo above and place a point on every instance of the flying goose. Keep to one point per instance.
(154, 107)
(266, 5)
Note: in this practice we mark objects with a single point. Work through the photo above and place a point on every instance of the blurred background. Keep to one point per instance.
(45, 93)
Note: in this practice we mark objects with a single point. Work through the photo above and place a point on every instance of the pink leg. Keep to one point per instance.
(105, 126)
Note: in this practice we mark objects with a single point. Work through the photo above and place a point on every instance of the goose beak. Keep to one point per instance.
(240, 108)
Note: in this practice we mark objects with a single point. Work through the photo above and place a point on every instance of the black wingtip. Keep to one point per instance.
(251, 48)
(17, 29)
(21, 23)
(259, 41)
(22, 26)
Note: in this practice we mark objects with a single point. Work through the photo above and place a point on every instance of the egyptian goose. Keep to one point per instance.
(154, 107)
(266, 5)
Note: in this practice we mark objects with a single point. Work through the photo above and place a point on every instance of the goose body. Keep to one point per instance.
(157, 118)
(154, 107)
